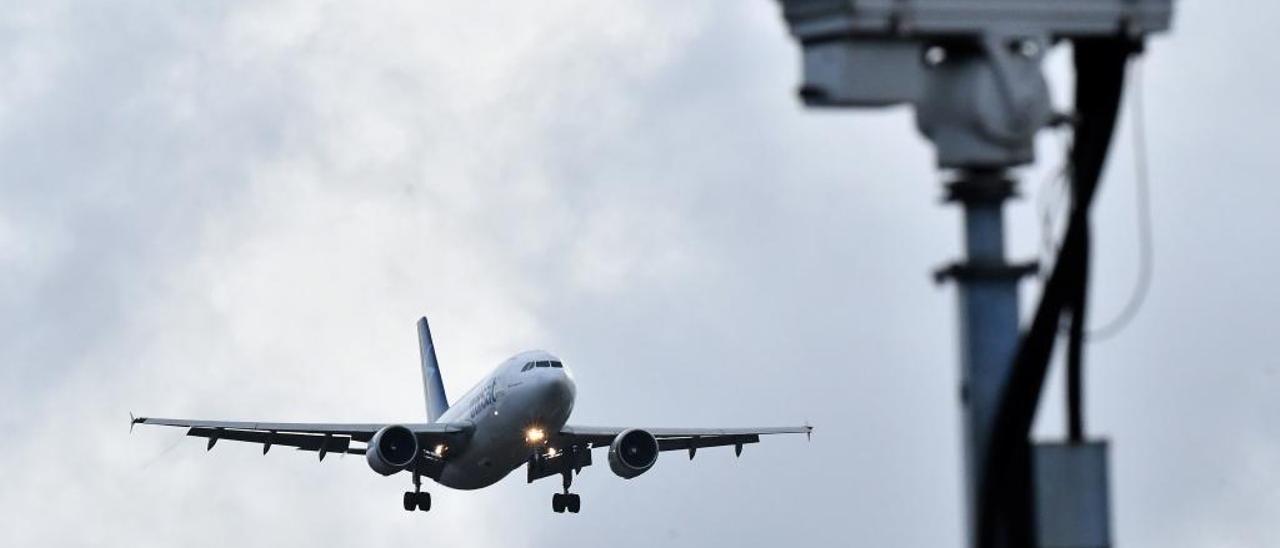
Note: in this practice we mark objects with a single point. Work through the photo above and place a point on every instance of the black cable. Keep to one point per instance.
(1077, 303)
(1049, 200)
(1005, 498)
(1146, 242)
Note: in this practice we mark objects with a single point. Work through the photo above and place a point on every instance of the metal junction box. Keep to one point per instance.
(1072, 506)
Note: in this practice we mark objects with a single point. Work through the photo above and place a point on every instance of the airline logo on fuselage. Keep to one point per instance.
(484, 401)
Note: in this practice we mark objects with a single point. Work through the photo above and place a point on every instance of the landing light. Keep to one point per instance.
(534, 435)
(440, 450)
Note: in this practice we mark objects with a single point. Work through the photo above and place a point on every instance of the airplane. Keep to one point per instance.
(517, 415)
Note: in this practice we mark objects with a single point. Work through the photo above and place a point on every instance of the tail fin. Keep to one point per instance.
(432, 385)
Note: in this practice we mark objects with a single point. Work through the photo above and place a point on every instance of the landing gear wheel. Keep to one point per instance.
(574, 503)
(410, 501)
(424, 501)
(417, 499)
(558, 503)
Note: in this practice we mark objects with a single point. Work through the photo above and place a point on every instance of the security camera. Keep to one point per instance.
(970, 67)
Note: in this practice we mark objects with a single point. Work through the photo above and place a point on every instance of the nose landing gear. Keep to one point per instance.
(567, 462)
(566, 500)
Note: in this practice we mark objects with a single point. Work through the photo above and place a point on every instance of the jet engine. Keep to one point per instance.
(633, 453)
(391, 450)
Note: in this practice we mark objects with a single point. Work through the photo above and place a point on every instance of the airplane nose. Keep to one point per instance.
(562, 387)
(552, 388)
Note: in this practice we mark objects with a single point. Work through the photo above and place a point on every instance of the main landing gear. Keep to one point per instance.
(417, 499)
(566, 500)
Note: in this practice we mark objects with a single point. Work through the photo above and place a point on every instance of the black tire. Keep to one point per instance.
(557, 503)
(424, 502)
(410, 501)
(574, 503)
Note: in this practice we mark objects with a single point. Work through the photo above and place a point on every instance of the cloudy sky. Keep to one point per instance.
(238, 210)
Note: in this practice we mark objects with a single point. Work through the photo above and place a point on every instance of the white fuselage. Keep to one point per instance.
(503, 407)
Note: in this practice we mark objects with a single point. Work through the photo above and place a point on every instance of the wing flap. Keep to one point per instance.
(355, 431)
(685, 432)
(322, 438)
(326, 443)
(698, 442)
(676, 439)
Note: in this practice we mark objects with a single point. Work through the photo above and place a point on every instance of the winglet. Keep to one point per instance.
(808, 431)
(134, 420)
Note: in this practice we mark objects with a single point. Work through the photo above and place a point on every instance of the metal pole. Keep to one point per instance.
(988, 295)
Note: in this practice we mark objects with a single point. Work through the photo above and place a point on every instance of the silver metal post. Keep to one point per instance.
(988, 295)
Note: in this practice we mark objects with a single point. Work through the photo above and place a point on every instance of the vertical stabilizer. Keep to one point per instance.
(432, 385)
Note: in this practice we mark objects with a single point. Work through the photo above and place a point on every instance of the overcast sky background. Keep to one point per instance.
(238, 210)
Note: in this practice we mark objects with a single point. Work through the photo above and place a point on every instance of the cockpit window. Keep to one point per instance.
(541, 363)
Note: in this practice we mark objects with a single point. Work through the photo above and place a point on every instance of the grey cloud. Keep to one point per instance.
(239, 212)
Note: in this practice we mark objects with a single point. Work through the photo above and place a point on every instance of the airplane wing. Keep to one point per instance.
(322, 438)
(672, 439)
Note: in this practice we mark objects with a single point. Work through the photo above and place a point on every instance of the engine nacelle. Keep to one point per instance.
(391, 450)
(633, 453)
